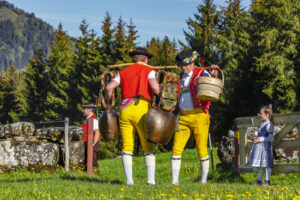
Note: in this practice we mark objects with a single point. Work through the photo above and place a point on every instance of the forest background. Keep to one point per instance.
(257, 49)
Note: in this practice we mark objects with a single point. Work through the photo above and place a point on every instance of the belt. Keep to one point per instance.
(194, 111)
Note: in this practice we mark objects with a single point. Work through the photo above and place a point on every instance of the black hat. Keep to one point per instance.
(186, 57)
(89, 105)
(140, 51)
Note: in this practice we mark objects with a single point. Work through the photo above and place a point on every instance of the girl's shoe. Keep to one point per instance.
(257, 182)
(267, 183)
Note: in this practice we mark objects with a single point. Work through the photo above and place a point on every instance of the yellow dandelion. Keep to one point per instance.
(258, 189)
(196, 195)
(279, 197)
(184, 195)
(139, 193)
(229, 196)
(212, 194)
(102, 195)
(177, 189)
(243, 195)
(163, 194)
(198, 199)
(202, 195)
(43, 195)
(121, 196)
(34, 185)
(266, 198)
(122, 189)
(55, 197)
(87, 192)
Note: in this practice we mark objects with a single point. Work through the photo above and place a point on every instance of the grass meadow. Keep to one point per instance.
(111, 184)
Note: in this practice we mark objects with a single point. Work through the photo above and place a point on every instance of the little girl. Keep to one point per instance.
(262, 154)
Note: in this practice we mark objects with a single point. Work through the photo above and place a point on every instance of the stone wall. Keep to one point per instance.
(21, 145)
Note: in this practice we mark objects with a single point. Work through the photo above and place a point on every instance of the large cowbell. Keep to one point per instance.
(109, 125)
(160, 125)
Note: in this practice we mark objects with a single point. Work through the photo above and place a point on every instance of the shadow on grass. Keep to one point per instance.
(223, 175)
(90, 179)
(23, 180)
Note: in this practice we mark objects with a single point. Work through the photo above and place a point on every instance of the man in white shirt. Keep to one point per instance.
(193, 114)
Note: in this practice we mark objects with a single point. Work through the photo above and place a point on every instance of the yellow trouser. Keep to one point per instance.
(198, 122)
(131, 118)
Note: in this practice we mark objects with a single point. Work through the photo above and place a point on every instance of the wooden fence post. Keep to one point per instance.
(67, 153)
(236, 146)
(90, 146)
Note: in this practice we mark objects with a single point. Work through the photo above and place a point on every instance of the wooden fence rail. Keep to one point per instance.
(290, 121)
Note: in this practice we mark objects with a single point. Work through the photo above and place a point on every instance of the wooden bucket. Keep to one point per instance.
(109, 125)
(160, 126)
(209, 88)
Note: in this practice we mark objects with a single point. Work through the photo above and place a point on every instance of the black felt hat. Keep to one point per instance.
(186, 57)
(140, 51)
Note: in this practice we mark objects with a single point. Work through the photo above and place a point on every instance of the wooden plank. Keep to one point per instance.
(287, 118)
(249, 147)
(288, 168)
(278, 119)
(283, 132)
(242, 145)
(243, 122)
(288, 144)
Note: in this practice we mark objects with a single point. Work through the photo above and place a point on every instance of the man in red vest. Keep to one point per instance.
(137, 83)
(193, 114)
(89, 112)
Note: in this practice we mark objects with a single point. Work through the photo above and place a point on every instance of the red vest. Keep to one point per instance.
(193, 90)
(85, 128)
(134, 81)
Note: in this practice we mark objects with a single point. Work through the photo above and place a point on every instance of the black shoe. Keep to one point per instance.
(257, 182)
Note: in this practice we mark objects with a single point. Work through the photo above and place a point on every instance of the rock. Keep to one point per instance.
(56, 134)
(226, 150)
(17, 129)
(77, 153)
(28, 154)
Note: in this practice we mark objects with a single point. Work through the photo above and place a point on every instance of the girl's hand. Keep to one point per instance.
(256, 140)
(213, 70)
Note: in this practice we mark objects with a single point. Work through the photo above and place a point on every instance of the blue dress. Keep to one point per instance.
(262, 153)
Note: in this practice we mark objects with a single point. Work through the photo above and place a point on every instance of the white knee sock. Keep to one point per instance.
(175, 166)
(268, 173)
(127, 166)
(150, 165)
(204, 170)
(260, 173)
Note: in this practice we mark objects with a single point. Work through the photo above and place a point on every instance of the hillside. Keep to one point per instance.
(20, 34)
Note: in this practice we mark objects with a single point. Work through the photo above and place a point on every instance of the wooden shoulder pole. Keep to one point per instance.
(90, 147)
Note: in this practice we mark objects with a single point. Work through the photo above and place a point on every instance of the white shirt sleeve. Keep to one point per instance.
(152, 74)
(95, 124)
(117, 78)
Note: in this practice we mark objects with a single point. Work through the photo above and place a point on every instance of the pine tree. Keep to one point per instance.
(200, 34)
(60, 67)
(273, 53)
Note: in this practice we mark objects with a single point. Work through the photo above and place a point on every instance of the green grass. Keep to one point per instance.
(111, 184)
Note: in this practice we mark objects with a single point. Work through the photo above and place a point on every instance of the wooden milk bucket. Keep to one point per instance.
(209, 88)
(160, 125)
(109, 125)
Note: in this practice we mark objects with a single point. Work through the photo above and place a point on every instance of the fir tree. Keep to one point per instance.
(86, 78)
(9, 82)
(131, 36)
(121, 46)
(274, 49)
(107, 41)
(60, 67)
(200, 34)
(32, 97)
